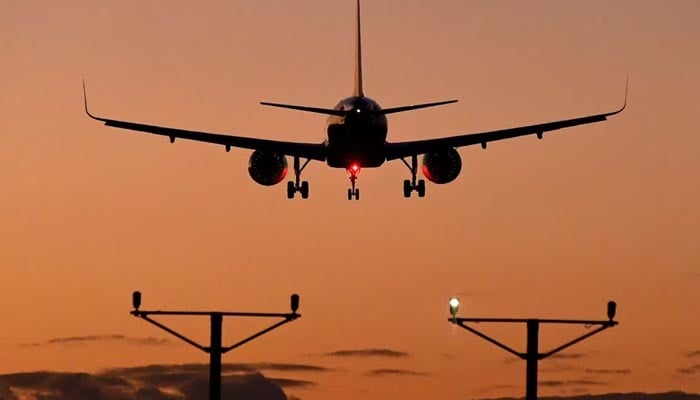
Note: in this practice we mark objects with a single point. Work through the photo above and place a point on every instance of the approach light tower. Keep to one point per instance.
(533, 355)
(215, 349)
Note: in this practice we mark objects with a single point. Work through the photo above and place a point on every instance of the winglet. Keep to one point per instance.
(627, 86)
(86, 104)
(624, 103)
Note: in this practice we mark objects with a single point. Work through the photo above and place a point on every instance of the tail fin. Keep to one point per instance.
(358, 58)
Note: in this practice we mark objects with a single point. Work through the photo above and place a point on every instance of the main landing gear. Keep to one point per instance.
(353, 192)
(410, 185)
(297, 186)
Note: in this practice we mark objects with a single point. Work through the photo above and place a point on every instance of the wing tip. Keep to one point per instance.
(87, 111)
(627, 87)
(624, 101)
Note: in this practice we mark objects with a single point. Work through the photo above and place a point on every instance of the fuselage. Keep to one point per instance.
(359, 136)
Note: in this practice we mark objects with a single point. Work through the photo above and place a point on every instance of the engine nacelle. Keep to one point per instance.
(442, 166)
(267, 168)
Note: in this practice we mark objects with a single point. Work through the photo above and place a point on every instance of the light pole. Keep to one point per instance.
(532, 354)
(215, 348)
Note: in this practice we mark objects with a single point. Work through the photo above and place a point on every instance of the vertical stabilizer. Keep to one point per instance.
(358, 58)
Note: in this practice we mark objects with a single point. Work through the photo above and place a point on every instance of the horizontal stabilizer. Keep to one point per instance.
(414, 107)
(327, 111)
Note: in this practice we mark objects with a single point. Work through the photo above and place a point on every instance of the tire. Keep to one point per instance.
(421, 188)
(304, 190)
(407, 188)
(290, 190)
(349, 194)
(357, 194)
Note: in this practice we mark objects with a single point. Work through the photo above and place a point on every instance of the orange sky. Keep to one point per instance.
(550, 228)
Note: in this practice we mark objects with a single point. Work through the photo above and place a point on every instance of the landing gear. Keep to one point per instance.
(353, 192)
(410, 185)
(420, 188)
(298, 186)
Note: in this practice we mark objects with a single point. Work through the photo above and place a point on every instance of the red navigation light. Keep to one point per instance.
(354, 168)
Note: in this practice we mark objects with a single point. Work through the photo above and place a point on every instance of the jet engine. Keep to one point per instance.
(267, 168)
(442, 166)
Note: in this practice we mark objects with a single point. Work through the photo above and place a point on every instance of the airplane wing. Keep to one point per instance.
(311, 151)
(405, 149)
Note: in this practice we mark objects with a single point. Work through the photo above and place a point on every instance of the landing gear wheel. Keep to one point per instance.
(304, 190)
(354, 193)
(290, 190)
(420, 188)
(410, 185)
(407, 189)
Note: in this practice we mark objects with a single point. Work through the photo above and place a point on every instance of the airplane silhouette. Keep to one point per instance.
(356, 138)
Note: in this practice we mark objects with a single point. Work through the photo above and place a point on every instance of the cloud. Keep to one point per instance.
(579, 391)
(368, 353)
(692, 354)
(168, 375)
(153, 393)
(173, 375)
(502, 386)
(567, 356)
(557, 356)
(6, 393)
(289, 367)
(558, 367)
(292, 383)
(394, 372)
(692, 370)
(155, 382)
(608, 371)
(249, 386)
(68, 386)
(573, 382)
(159, 375)
(82, 340)
(48, 379)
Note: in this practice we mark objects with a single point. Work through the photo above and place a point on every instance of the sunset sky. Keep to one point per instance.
(550, 228)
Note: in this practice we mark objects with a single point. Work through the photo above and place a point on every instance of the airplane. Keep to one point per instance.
(356, 138)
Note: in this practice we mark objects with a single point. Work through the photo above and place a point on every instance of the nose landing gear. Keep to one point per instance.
(353, 192)
(410, 185)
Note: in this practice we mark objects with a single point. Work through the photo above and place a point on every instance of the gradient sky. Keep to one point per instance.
(551, 228)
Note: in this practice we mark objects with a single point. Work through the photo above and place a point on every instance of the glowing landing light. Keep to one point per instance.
(354, 168)
(358, 110)
(454, 306)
